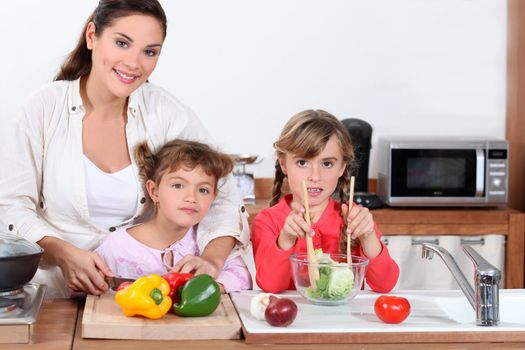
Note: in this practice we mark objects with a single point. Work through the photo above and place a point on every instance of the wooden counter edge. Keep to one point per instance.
(405, 338)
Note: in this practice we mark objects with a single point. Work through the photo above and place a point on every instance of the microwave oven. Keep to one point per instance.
(442, 172)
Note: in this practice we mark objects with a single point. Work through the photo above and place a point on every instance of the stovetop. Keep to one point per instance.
(21, 306)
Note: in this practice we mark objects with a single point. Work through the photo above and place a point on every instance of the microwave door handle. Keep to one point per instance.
(480, 172)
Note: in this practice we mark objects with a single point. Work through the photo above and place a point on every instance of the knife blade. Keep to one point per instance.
(115, 281)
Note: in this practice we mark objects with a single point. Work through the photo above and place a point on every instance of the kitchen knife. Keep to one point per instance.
(114, 281)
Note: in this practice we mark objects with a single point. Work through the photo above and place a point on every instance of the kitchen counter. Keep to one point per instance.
(54, 328)
(59, 323)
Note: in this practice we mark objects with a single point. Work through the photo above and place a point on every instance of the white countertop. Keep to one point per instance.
(431, 311)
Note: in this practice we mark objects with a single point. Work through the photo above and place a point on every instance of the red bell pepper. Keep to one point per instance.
(124, 285)
(176, 280)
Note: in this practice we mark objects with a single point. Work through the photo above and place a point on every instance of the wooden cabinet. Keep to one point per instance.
(454, 221)
(515, 106)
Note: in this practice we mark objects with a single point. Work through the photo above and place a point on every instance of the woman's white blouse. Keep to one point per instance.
(111, 197)
(42, 184)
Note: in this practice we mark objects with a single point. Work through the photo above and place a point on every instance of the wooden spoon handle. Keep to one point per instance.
(313, 272)
(349, 238)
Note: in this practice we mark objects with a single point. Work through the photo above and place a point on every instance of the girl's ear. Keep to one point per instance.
(153, 190)
(282, 164)
(90, 35)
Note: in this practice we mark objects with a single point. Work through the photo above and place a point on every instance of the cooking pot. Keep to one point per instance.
(19, 260)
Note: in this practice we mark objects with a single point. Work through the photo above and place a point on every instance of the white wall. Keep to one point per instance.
(408, 67)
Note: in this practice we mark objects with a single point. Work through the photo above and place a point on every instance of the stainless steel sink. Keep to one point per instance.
(511, 308)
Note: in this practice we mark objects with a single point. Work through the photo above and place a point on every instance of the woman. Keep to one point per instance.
(68, 179)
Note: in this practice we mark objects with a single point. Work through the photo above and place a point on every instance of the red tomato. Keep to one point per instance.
(391, 309)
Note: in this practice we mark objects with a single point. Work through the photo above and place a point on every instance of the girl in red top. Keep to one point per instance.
(314, 146)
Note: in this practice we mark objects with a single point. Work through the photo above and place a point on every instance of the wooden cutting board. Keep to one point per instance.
(103, 318)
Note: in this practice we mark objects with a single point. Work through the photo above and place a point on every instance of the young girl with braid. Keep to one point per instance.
(316, 148)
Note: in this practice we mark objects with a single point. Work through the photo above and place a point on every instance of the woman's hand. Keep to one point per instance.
(83, 270)
(295, 226)
(360, 225)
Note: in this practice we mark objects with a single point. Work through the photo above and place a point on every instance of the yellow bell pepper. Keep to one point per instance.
(147, 296)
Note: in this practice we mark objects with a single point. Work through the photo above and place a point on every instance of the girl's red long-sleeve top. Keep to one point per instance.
(273, 267)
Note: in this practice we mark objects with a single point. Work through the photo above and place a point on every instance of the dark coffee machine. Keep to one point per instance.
(361, 135)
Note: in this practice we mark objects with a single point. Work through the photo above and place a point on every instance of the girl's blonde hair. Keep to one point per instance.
(306, 135)
(181, 153)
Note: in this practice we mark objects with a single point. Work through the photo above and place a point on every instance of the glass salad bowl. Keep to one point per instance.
(336, 281)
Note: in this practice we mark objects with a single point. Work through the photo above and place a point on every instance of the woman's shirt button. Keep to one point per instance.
(112, 229)
(142, 200)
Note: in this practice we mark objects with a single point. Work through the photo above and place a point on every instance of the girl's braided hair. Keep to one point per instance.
(306, 135)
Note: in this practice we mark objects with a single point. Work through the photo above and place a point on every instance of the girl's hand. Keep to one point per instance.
(295, 226)
(196, 265)
(216, 252)
(360, 222)
(84, 271)
(360, 225)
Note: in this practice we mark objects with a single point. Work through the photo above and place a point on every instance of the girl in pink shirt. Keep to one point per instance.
(181, 180)
(315, 147)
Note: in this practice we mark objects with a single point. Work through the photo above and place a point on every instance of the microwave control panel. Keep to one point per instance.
(497, 175)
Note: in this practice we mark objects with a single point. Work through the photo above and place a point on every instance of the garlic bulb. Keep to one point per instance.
(258, 305)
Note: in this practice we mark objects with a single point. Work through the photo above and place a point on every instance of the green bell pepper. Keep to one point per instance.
(200, 296)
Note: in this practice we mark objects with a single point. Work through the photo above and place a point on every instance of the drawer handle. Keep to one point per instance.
(479, 241)
(421, 241)
(414, 241)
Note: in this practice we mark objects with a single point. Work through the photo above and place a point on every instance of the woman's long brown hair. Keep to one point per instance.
(78, 62)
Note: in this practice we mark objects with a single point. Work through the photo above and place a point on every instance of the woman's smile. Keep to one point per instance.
(126, 78)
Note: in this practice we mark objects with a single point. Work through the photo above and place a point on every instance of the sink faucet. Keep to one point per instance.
(485, 299)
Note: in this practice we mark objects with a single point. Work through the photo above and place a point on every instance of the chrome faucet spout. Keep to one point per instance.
(429, 249)
(485, 298)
